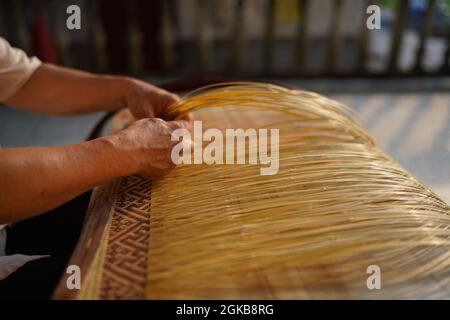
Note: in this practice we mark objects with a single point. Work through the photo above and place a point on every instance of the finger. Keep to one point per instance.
(165, 93)
(180, 124)
(144, 111)
(174, 97)
(165, 100)
(185, 116)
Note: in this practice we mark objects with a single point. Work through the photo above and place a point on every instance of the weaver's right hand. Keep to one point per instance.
(147, 145)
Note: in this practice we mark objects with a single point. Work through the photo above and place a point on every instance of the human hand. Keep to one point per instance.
(147, 145)
(145, 100)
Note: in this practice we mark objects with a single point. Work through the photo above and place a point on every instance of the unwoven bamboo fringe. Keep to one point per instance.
(337, 205)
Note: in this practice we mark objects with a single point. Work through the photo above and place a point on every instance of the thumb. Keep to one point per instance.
(143, 110)
(148, 110)
(181, 124)
(185, 116)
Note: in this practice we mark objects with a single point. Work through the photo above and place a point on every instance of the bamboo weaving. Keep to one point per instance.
(337, 205)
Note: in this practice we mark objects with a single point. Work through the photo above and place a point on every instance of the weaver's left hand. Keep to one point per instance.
(147, 101)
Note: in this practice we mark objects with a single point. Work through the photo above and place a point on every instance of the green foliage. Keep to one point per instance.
(391, 4)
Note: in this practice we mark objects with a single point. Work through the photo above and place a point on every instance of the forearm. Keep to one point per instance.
(58, 90)
(35, 180)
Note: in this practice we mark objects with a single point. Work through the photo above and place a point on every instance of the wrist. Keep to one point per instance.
(119, 153)
(120, 88)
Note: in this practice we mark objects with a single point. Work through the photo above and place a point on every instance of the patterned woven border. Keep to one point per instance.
(124, 267)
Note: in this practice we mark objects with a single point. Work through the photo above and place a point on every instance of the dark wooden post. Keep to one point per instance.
(400, 25)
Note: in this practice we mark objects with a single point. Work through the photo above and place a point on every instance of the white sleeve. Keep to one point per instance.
(10, 263)
(15, 69)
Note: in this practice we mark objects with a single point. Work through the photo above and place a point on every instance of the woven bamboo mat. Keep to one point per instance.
(113, 249)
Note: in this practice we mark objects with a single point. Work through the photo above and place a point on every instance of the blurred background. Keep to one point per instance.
(282, 38)
(396, 78)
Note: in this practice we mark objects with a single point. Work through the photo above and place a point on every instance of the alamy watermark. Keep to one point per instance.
(261, 146)
(374, 20)
(374, 280)
(74, 279)
(73, 21)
